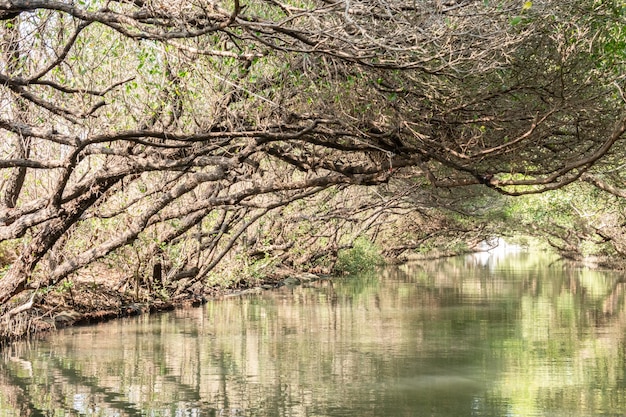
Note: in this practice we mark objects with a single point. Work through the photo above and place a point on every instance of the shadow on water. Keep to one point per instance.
(477, 336)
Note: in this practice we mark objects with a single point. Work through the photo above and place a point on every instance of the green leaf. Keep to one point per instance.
(516, 20)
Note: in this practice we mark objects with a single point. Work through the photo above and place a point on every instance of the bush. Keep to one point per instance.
(362, 256)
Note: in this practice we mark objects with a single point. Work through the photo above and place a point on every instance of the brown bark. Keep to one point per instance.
(18, 276)
(18, 175)
(22, 144)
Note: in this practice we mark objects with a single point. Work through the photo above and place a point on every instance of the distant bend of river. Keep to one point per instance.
(515, 335)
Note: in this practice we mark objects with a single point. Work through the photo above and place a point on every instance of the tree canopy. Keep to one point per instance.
(191, 134)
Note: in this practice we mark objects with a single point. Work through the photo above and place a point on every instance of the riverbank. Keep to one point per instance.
(95, 300)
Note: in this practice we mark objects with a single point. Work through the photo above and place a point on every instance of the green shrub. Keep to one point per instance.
(362, 256)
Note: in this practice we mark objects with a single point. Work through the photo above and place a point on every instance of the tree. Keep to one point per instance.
(183, 124)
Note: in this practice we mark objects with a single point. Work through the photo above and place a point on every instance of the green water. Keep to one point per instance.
(520, 335)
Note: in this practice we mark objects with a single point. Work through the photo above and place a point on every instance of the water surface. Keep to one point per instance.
(520, 335)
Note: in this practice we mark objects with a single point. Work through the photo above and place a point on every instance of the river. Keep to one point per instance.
(516, 335)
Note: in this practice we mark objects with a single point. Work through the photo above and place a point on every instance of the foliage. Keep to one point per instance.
(579, 221)
(207, 134)
(363, 256)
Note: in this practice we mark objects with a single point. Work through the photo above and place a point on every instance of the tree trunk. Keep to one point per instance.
(12, 57)
(18, 175)
(17, 277)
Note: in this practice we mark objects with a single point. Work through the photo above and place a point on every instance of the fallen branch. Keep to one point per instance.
(24, 307)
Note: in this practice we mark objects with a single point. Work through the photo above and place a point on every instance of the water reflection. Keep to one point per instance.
(520, 335)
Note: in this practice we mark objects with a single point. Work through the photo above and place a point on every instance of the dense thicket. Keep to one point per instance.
(180, 138)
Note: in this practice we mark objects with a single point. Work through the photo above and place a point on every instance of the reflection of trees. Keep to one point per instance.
(569, 354)
(614, 302)
(116, 376)
(288, 353)
(14, 395)
(547, 337)
(567, 335)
